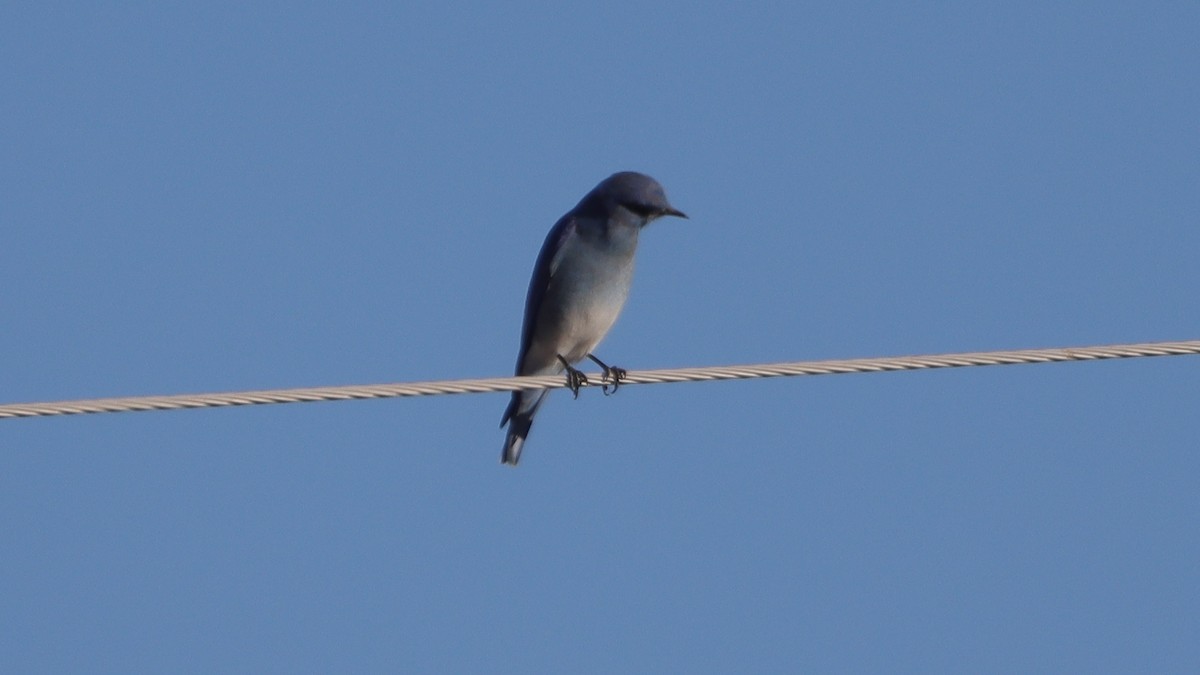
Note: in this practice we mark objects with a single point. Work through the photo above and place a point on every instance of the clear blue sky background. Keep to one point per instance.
(217, 197)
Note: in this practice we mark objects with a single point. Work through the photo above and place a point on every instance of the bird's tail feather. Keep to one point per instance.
(518, 427)
(518, 430)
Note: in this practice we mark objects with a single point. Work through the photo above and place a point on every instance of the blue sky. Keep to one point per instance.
(220, 197)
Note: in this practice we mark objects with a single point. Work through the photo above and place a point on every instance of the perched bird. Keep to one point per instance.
(579, 285)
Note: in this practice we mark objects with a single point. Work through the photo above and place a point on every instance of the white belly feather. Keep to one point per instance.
(585, 297)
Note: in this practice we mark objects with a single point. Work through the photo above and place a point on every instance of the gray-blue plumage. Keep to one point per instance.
(580, 283)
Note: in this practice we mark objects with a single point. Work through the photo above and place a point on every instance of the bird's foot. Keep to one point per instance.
(575, 377)
(612, 376)
(616, 375)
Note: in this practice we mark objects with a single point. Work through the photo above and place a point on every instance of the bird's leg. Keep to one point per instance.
(575, 378)
(610, 373)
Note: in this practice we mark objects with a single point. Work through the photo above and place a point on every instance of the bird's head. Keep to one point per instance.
(635, 192)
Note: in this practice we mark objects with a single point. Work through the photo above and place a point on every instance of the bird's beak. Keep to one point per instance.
(672, 211)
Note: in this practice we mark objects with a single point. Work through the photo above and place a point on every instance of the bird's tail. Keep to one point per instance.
(518, 426)
(518, 430)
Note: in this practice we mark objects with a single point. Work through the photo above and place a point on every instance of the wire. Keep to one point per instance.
(476, 386)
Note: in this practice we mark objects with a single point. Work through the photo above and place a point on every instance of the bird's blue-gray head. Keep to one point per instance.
(636, 193)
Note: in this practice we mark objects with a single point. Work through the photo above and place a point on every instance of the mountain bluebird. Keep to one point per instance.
(580, 283)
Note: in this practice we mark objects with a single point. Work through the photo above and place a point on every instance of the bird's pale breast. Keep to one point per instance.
(586, 294)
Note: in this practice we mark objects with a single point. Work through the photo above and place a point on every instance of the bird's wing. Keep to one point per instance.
(543, 271)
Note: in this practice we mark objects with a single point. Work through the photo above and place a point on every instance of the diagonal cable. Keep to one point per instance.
(500, 384)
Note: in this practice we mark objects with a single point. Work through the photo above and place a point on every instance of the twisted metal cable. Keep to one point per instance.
(500, 384)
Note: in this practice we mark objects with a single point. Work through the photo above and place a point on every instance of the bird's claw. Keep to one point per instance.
(614, 374)
(611, 376)
(575, 380)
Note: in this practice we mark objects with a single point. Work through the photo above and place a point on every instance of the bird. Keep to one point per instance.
(580, 283)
